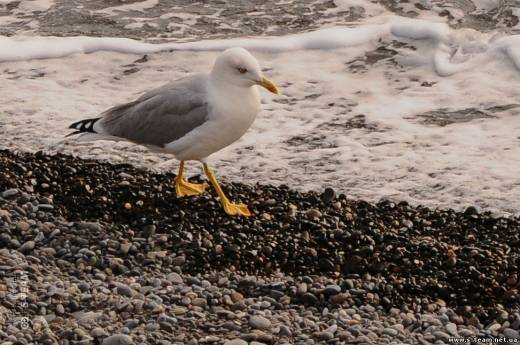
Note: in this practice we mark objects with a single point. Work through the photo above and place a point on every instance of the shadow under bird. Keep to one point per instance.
(191, 117)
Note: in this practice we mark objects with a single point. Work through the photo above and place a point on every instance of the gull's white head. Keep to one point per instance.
(238, 67)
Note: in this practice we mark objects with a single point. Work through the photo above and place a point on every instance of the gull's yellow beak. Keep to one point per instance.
(269, 85)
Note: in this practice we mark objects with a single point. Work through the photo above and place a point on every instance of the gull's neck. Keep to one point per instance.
(245, 98)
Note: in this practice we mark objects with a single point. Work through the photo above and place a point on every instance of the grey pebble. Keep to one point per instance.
(235, 342)
(390, 331)
(313, 213)
(132, 323)
(332, 289)
(174, 278)
(511, 333)
(98, 332)
(84, 286)
(310, 298)
(494, 327)
(124, 290)
(45, 207)
(10, 193)
(452, 329)
(466, 332)
(325, 335)
(259, 322)
(118, 339)
(276, 294)
(179, 260)
(211, 339)
(200, 302)
(332, 329)
(92, 226)
(193, 281)
(441, 335)
(27, 247)
(22, 226)
(285, 331)
(125, 248)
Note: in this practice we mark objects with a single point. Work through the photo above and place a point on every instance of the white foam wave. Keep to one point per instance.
(447, 43)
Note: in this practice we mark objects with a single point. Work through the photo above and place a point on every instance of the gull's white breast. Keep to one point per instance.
(232, 110)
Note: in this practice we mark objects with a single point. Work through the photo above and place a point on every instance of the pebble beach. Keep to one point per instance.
(107, 254)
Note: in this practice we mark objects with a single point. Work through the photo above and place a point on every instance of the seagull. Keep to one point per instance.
(190, 118)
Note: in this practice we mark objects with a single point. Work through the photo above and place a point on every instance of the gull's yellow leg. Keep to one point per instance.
(185, 188)
(229, 207)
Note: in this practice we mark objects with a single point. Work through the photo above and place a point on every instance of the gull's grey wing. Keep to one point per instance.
(160, 116)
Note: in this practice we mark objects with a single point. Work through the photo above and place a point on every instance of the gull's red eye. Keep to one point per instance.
(242, 70)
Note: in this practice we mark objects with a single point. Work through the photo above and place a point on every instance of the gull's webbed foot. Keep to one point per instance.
(185, 188)
(235, 209)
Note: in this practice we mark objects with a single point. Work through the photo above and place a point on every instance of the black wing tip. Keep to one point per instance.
(83, 126)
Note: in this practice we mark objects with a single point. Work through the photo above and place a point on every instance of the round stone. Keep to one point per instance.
(117, 339)
(259, 322)
(235, 342)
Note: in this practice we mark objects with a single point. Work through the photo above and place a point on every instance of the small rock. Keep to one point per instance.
(332, 289)
(124, 290)
(200, 302)
(471, 210)
(45, 207)
(84, 286)
(325, 335)
(326, 264)
(60, 309)
(259, 322)
(10, 193)
(339, 298)
(328, 195)
(284, 331)
(236, 297)
(466, 333)
(193, 281)
(98, 332)
(313, 213)
(309, 298)
(276, 294)
(174, 278)
(149, 230)
(179, 260)
(125, 248)
(125, 176)
(441, 336)
(88, 317)
(452, 329)
(90, 226)
(390, 331)
(27, 247)
(117, 339)
(22, 226)
(211, 339)
(235, 342)
(132, 323)
(511, 333)
(473, 321)
(332, 329)
(494, 327)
